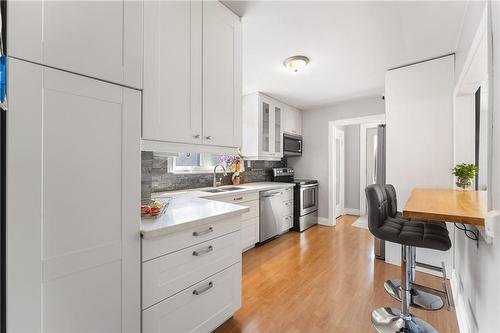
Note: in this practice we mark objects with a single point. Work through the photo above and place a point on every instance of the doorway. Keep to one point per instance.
(345, 188)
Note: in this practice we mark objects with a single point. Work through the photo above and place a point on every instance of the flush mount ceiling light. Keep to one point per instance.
(296, 63)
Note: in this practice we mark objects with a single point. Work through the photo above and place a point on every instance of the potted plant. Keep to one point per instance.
(237, 168)
(235, 178)
(464, 172)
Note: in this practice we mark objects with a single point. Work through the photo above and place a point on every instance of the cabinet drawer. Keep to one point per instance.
(162, 277)
(200, 308)
(238, 198)
(287, 194)
(157, 247)
(286, 223)
(288, 207)
(249, 233)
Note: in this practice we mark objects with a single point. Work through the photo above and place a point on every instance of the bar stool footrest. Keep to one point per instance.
(421, 299)
(388, 320)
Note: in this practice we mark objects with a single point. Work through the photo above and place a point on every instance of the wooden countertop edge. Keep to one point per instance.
(443, 217)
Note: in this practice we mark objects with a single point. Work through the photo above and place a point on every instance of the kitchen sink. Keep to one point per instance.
(232, 188)
(213, 190)
(224, 189)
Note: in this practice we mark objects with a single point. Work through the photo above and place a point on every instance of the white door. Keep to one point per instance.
(172, 71)
(222, 92)
(339, 172)
(292, 120)
(73, 188)
(371, 157)
(101, 39)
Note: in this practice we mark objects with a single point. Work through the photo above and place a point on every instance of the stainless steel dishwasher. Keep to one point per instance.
(272, 209)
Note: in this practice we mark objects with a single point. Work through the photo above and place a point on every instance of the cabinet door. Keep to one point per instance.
(278, 130)
(101, 39)
(292, 121)
(73, 160)
(172, 71)
(221, 76)
(266, 126)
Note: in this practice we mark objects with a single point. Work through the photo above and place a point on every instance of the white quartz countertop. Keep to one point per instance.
(189, 208)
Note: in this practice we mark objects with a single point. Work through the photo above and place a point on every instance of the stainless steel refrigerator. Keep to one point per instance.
(379, 245)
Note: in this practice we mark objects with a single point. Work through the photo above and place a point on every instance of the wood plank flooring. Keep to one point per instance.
(322, 280)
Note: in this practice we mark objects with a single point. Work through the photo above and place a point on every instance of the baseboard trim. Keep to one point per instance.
(462, 314)
(351, 211)
(325, 221)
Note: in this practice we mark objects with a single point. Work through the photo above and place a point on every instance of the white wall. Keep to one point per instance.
(419, 135)
(314, 161)
(470, 24)
(477, 269)
(464, 130)
(351, 186)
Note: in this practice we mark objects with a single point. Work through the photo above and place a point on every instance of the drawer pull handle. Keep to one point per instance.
(288, 203)
(203, 251)
(204, 232)
(203, 289)
(288, 218)
(238, 198)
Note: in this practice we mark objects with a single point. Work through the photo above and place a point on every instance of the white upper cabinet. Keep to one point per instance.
(292, 120)
(262, 127)
(100, 39)
(192, 73)
(172, 71)
(221, 76)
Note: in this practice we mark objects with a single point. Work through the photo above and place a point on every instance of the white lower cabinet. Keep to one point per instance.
(191, 279)
(250, 220)
(162, 277)
(199, 308)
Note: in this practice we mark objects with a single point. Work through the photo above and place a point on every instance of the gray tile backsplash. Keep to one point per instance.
(156, 178)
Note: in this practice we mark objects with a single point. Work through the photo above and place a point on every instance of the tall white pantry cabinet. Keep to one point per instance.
(73, 166)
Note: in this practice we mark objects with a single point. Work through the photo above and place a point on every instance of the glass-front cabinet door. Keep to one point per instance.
(278, 137)
(266, 127)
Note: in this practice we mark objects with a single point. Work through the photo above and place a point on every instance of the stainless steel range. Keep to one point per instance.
(305, 198)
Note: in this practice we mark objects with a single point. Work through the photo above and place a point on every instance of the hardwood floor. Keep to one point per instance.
(322, 280)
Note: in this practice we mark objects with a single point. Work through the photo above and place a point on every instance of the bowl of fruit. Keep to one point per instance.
(154, 208)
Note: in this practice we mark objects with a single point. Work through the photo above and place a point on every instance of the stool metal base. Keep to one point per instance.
(388, 320)
(420, 299)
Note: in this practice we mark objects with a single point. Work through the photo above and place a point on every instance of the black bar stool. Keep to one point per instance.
(410, 234)
(420, 299)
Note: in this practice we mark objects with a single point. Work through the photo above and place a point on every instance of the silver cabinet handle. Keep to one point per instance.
(273, 195)
(203, 289)
(204, 232)
(209, 137)
(197, 136)
(238, 198)
(288, 203)
(288, 218)
(200, 252)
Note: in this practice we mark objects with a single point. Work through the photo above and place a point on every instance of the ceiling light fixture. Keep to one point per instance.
(296, 63)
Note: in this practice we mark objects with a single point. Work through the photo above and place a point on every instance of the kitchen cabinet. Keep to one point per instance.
(192, 73)
(250, 220)
(222, 80)
(262, 128)
(292, 120)
(73, 160)
(191, 278)
(172, 71)
(100, 39)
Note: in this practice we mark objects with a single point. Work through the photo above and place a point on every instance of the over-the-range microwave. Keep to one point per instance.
(292, 145)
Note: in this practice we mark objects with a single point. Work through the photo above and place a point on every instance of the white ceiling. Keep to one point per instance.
(351, 44)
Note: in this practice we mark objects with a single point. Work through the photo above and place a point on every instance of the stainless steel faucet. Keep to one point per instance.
(218, 183)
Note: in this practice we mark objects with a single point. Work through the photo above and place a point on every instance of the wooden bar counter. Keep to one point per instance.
(458, 206)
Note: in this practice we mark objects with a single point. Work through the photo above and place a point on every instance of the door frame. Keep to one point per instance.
(339, 134)
(331, 152)
(362, 164)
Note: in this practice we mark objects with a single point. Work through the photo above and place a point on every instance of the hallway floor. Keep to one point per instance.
(322, 280)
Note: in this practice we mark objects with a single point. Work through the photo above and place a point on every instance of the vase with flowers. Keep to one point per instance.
(464, 172)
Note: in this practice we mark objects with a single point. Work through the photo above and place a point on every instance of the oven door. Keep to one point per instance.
(292, 145)
(308, 199)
